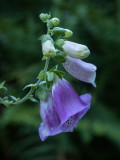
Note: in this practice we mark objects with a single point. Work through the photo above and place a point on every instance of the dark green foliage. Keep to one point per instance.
(95, 24)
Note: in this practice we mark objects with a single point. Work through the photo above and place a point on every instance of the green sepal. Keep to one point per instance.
(41, 92)
(45, 37)
(60, 56)
(60, 74)
(44, 58)
(50, 76)
(58, 31)
(54, 68)
(59, 43)
(41, 74)
(60, 59)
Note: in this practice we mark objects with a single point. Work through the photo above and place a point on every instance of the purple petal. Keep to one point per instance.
(81, 70)
(71, 123)
(48, 112)
(45, 131)
(49, 116)
(66, 100)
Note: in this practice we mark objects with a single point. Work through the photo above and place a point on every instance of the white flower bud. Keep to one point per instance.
(48, 49)
(75, 50)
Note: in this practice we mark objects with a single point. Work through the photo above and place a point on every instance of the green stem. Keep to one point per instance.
(46, 64)
(30, 92)
(36, 85)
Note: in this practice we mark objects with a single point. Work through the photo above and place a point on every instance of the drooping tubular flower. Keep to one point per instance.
(62, 109)
(81, 70)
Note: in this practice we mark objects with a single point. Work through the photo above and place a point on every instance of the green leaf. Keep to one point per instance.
(50, 76)
(2, 84)
(14, 98)
(41, 92)
(60, 74)
(5, 98)
(41, 75)
(60, 53)
(29, 85)
(54, 68)
(33, 99)
(2, 88)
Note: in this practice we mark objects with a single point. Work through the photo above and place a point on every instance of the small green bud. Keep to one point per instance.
(44, 17)
(48, 49)
(54, 22)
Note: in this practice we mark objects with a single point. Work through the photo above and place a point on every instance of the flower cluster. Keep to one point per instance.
(62, 107)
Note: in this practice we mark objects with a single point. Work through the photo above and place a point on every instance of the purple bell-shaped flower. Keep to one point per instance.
(62, 109)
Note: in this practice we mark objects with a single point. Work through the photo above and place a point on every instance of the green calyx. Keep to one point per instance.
(62, 32)
(45, 37)
(59, 43)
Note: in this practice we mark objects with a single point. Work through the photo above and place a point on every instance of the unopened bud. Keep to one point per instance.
(48, 49)
(54, 22)
(62, 32)
(75, 50)
(44, 17)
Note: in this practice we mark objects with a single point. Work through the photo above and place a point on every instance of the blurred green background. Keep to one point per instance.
(95, 23)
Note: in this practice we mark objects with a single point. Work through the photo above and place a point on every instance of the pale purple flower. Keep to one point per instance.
(62, 109)
(81, 70)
